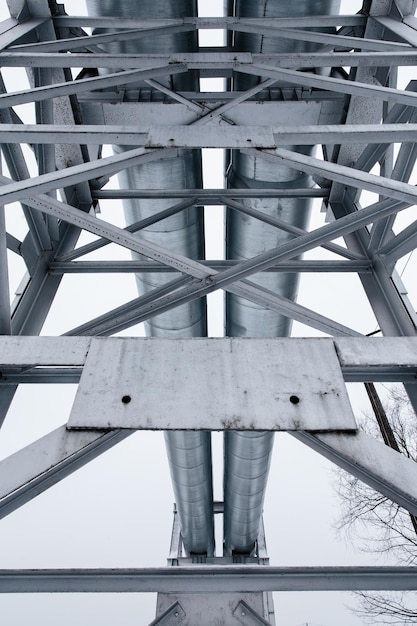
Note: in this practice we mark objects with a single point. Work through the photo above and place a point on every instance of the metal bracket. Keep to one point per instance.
(247, 616)
(171, 617)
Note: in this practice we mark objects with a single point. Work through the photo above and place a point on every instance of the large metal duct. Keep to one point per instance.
(247, 455)
(189, 453)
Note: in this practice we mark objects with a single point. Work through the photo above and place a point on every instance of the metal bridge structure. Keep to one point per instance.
(318, 130)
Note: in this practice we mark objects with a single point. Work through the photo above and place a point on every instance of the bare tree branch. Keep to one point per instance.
(378, 525)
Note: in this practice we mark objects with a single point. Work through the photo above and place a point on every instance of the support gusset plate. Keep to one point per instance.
(247, 616)
(171, 617)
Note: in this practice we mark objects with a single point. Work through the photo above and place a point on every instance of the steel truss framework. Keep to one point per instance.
(362, 115)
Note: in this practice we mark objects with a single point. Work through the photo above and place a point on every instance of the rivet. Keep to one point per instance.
(294, 399)
(126, 399)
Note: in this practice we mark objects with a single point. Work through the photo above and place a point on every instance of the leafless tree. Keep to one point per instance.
(387, 608)
(378, 525)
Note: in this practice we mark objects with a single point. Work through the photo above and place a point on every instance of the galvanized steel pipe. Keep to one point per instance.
(189, 453)
(247, 455)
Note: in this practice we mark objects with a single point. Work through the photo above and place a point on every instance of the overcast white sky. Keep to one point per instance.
(117, 511)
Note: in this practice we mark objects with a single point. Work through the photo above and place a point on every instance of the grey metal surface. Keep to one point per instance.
(209, 281)
(205, 609)
(225, 61)
(247, 455)
(219, 137)
(376, 251)
(189, 453)
(208, 579)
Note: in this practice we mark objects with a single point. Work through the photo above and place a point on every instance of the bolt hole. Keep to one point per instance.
(126, 399)
(294, 399)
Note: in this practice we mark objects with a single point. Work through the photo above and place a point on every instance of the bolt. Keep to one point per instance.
(243, 613)
(176, 614)
(294, 399)
(126, 399)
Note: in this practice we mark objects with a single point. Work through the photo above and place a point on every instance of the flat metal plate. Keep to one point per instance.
(142, 115)
(216, 136)
(212, 384)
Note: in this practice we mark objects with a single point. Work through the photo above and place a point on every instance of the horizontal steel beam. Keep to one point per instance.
(104, 267)
(361, 358)
(31, 351)
(219, 61)
(313, 21)
(198, 136)
(208, 579)
(208, 196)
(71, 375)
(41, 375)
(353, 352)
(330, 39)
